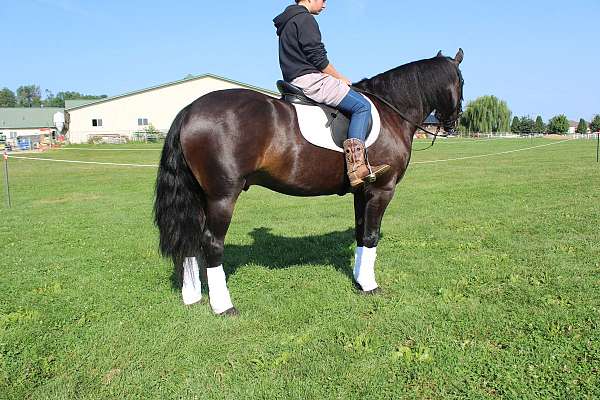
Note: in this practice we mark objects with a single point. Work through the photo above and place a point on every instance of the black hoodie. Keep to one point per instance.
(301, 50)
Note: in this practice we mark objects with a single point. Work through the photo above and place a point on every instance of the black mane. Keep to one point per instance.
(418, 84)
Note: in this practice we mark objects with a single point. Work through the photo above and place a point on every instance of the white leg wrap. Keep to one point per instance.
(364, 267)
(191, 289)
(220, 301)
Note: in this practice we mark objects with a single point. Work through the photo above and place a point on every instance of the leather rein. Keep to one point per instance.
(387, 103)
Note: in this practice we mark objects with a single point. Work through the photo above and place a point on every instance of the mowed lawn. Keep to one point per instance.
(490, 268)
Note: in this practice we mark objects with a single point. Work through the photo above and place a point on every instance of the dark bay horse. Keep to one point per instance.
(229, 140)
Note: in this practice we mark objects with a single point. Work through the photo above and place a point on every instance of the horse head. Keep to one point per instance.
(449, 101)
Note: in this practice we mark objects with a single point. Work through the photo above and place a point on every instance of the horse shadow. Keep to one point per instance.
(279, 252)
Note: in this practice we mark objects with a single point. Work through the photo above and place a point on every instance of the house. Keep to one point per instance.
(129, 115)
(33, 125)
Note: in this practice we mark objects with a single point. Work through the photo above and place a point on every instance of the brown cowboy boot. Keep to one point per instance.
(359, 170)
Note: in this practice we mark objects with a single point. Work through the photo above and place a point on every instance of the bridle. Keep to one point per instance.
(453, 122)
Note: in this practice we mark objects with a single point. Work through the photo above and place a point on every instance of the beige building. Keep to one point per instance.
(132, 115)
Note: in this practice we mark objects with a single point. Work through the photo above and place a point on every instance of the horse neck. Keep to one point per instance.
(404, 91)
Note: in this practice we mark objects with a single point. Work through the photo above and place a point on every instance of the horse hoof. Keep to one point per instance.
(360, 290)
(373, 292)
(232, 312)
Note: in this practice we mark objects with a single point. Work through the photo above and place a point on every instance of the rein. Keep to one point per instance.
(387, 103)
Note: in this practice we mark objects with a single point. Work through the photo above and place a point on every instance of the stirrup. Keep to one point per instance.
(371, 177)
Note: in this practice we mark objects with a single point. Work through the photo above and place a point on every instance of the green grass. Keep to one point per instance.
(490, 267)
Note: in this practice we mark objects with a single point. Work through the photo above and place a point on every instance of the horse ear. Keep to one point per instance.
(459, 56)
(439, 54)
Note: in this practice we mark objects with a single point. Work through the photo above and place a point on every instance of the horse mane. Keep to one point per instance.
(416, 84)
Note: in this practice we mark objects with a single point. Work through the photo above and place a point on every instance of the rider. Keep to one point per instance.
(304, 63)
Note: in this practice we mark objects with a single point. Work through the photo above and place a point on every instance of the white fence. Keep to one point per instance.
(585, 135)
(124, 136)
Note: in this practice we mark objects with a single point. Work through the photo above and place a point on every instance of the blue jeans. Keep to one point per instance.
(360, 110)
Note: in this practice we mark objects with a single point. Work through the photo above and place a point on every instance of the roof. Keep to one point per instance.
(79, 102)
(21, 118)
(173, 84)
(431, 120)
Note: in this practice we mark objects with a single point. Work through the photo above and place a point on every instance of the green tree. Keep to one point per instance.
(582, 127)
(59, 99)
(558, 124)
(595, 124)
(526, 125)
(539, 126)
(7, 98)
(486, 114)
(52, 101)
(29, 96)
(515, 126)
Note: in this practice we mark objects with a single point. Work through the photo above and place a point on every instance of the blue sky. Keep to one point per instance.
(542, 57)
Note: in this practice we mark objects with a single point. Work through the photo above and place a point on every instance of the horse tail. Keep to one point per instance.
(179, 203)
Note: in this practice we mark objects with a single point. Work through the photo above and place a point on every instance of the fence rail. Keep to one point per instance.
(123, 136)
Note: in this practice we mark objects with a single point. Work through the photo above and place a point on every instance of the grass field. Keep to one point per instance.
(490, 268)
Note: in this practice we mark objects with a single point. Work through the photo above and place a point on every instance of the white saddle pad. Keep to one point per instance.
(313, 125)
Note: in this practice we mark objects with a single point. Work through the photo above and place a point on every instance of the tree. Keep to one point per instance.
(515, 126)
(486, 114)
(526, 125)
(558, 124)
(53, 101)
(582, 127)
(595, 124)
(29, 96)
(59, 99)
(7, 98)
(539, 126)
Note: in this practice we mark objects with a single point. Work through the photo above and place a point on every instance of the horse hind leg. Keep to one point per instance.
(218, 218)
(191, 289)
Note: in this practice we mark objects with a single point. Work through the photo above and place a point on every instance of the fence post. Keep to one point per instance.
(7, 190)
(598, 146)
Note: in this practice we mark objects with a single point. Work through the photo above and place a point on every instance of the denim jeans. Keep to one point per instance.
(360, 110)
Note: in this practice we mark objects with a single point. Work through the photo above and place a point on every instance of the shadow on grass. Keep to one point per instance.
(278, 252)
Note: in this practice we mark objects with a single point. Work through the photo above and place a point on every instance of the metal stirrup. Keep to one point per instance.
(371, 177)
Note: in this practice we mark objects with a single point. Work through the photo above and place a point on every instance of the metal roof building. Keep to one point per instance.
(129, 115)
(19, 122)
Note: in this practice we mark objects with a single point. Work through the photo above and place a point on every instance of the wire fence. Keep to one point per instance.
(7, 156)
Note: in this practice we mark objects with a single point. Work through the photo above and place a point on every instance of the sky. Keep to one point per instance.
(541, 57)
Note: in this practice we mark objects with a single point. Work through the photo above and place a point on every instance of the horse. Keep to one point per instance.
(228, 140)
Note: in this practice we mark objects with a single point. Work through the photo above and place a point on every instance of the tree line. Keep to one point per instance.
(31, 96)
(488, 114)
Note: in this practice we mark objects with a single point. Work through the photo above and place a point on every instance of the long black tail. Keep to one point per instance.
(179, 204)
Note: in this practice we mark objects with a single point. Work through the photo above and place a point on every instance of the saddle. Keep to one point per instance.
(337, 122)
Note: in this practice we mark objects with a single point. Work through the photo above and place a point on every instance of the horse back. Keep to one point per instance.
(241, 137)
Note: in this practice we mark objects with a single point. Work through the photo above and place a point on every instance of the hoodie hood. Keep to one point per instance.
(290, 12)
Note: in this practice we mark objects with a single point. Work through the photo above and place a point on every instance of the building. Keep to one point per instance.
(133, 115)
(33, 125)
(573, 126)
(431, 123)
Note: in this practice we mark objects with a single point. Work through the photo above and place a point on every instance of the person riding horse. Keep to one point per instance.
(304, 63)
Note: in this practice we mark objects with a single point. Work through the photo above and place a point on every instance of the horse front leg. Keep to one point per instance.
(369, 207)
